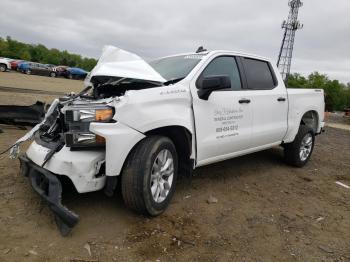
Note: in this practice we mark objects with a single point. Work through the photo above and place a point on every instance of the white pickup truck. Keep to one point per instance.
(143, 124)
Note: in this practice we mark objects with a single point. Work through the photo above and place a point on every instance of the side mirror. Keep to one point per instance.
(209, 84)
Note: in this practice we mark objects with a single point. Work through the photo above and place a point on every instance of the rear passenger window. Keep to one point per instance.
(258, 74)
(224, 65)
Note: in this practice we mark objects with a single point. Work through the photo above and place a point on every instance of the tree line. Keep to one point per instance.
(39, 53)
(337, 95)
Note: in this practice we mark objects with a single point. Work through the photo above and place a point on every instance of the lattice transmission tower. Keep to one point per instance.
(290, 27)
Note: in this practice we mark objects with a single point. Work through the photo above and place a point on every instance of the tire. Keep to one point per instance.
(28, 72)
(139, 176)
(53, 74)
(3, 68)
(70, 76)
(300, 150)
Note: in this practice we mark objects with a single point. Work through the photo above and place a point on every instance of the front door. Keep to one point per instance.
(223, 122)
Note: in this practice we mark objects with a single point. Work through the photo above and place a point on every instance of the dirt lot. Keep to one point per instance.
(265, 210)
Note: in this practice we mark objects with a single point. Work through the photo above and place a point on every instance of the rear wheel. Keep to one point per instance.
(3, 67)
(149, 177)
(53, 74)
(28, 72)
(299, 151)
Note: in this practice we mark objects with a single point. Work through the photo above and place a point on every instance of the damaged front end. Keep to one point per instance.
(64, 146)
(80, 137)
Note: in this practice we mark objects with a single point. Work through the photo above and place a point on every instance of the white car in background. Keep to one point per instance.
(5, 64)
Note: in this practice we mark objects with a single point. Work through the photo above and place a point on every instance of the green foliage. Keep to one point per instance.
(25, 55)
(337, 95)
(39, 53)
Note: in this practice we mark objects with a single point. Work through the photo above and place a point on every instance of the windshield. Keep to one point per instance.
(176, 67)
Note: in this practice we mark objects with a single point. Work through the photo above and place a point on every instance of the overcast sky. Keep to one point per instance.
(161, 27)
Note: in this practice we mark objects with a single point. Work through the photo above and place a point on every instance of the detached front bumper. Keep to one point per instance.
(48, 186)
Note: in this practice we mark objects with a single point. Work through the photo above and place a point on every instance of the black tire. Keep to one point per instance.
(53, 74)
(28, 72)
(292, 150)
(3, 68)
(136, 177)
(70, 76)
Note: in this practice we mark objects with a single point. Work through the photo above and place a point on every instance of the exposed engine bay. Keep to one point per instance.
(105, 87)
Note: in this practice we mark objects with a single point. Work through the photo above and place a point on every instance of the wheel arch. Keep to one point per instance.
(182, 139)
(310, 119)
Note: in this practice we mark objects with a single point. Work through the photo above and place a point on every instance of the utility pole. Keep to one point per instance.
(290, 27)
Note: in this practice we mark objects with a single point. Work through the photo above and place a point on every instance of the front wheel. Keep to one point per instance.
(149, 177)
(3, 67)
(28, 72)
(299, 151)
(53, 74)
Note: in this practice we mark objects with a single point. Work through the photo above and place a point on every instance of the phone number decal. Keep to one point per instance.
(227, 122)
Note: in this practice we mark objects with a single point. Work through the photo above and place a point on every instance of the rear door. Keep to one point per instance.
(35, 68)
(269, 103)
(46, 70)
(223, 122)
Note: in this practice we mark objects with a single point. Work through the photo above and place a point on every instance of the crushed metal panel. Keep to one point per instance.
(120, 63)
(22, 115)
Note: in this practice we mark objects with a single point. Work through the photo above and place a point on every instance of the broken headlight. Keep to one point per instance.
(78, 121)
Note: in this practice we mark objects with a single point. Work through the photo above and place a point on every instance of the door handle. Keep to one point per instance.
(244, 101)
(281, 99)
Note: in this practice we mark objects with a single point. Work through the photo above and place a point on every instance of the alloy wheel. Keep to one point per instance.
(305, 147)
(162, 175)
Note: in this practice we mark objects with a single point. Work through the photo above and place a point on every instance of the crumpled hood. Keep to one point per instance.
(120, 63)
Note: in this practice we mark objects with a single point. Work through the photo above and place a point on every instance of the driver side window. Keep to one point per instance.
(224, 65)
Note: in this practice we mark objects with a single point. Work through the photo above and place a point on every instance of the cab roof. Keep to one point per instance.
(220, 52)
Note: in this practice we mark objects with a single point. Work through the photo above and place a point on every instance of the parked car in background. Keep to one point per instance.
(50, 65)
(4, 64)
(23, 66)
(15, 63)
(76, 73)
(61, 70)
(39, 69)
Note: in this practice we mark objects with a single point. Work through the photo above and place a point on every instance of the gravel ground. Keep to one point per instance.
(252, 208)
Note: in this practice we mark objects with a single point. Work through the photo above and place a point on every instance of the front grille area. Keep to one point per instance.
(69, 116)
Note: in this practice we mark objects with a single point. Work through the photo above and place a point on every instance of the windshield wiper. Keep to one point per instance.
(173, 81)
